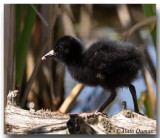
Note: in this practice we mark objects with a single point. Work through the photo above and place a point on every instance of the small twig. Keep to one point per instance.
(124, 106)
(39, 15)
(71, 98)
(137, 26)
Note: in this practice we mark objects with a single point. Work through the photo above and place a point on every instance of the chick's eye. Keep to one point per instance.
(60, 49)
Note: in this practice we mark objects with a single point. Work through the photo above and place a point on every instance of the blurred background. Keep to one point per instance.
(32, 30)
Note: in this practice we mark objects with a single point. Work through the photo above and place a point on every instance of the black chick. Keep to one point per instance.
(106, 63)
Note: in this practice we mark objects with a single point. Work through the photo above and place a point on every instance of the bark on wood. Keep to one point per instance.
(19, 121)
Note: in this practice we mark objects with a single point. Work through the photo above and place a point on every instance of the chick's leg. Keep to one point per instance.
(108, 101)
(134, 97)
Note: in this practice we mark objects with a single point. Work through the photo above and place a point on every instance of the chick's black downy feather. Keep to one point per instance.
(106, 63)
(112, 63)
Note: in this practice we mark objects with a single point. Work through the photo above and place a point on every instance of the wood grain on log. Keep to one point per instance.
(20, 121)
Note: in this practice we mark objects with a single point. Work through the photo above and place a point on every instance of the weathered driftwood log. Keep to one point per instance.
(19, 121)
